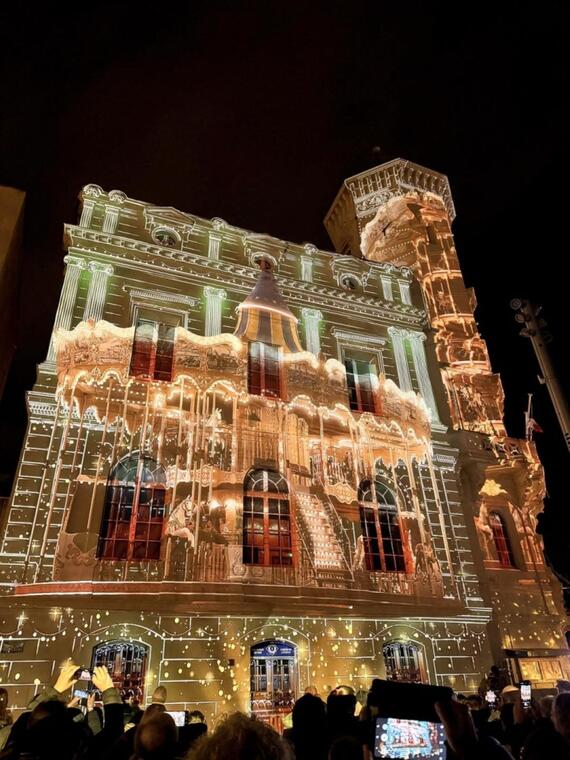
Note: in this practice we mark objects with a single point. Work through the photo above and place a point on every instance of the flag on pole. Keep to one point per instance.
(530, 424)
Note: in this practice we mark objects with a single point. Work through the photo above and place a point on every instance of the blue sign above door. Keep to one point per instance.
(273, 649)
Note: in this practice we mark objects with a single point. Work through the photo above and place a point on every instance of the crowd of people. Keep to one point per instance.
(60, 725)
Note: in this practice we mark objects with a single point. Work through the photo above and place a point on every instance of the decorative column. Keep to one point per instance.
(97, 290)
(214, 298)
(215, 238)
(404, 379)
(417, 340)
(405, 292)
(64, 313)
(307, 262)
(86, 212)
(110, 219)
(311, 319)
(387, 288)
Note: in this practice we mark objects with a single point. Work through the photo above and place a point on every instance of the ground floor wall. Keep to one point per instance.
(205, 661)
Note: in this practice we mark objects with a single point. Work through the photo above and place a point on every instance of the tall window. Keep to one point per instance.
(383, 546)
(133, 515)
(501, 540)
(126, 662)
(153, 350)
(361, 379)
(264, 373)
(402, 662)
(266, 519)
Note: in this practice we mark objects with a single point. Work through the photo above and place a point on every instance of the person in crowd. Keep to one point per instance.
(124, 746)
(543, 740)
(50, 724)
(561, 715)
(156, 737)
(308, 736)
(241, 738)
(159, 696)
(346, 748)
(5, 714)
(195, 716)
(341, 720)
(462, 737)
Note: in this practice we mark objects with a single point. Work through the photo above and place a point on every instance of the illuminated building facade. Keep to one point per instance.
(253, 465)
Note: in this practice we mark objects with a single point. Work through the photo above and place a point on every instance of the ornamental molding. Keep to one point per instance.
(159, 295)
(295, 291)
(350, 337)
(169, 218)
(100, 266)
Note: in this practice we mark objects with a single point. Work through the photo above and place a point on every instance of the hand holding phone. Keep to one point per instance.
(526, 694)
(491, 698)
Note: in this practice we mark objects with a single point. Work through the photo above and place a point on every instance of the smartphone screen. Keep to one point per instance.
(491, 698)
(80, 693)
(402, 739)
(526, 691)
(179, 717)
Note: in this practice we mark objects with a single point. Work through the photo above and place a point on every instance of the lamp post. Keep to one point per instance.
(534, 328)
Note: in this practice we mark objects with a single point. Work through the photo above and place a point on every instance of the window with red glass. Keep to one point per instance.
(266, 520)
(153, 351)
(361, 380)
(264, 370)
(501, 540)
(380, 526)
(133, 514)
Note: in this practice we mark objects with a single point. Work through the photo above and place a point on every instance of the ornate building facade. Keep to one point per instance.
(252, 465)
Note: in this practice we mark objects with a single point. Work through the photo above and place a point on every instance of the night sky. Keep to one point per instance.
(256, 112)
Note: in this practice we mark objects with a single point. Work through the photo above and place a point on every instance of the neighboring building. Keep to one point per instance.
(253, 465)
(11, 216)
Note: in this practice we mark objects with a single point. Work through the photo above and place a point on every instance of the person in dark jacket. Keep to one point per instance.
(309, 733)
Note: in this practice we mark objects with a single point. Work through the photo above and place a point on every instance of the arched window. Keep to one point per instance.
(126, 662)
(266, 519)
(403, 662)
(133, 515)
(383, 547)
(501, 540)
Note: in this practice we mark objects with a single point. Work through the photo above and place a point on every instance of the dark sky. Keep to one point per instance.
(255, 112)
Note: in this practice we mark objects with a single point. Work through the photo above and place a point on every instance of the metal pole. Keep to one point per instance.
(527, 314)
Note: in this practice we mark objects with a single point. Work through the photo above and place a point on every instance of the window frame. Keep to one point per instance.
(150, 371)
(381, 528)
(262, 387)
(129, 522)
(502, 541)
(263, 520)
(361, 398)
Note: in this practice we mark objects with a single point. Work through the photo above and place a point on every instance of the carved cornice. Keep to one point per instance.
(232, 276)
(159, 295)
(351, 337)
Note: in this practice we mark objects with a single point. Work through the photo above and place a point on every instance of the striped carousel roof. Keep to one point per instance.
(264, 316)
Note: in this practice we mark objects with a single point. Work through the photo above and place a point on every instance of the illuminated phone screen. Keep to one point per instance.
(402, 739)
(179, 717)
(526, 691)
(491, 697)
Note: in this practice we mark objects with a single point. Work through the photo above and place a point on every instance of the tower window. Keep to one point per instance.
(264, 372)
(501, 541)
(361, 379)
(266, 520)
(380, 525)
(153, 351)
(133, 515)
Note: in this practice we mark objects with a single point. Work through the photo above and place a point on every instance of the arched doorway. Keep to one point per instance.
(126, 662)
(273, 680)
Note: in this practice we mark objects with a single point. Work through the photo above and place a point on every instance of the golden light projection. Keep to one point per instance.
(253, 466)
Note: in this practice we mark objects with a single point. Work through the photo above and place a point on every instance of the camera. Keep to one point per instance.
(403, 721)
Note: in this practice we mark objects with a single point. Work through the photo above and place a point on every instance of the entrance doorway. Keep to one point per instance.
(126, 662)
(273, 680)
